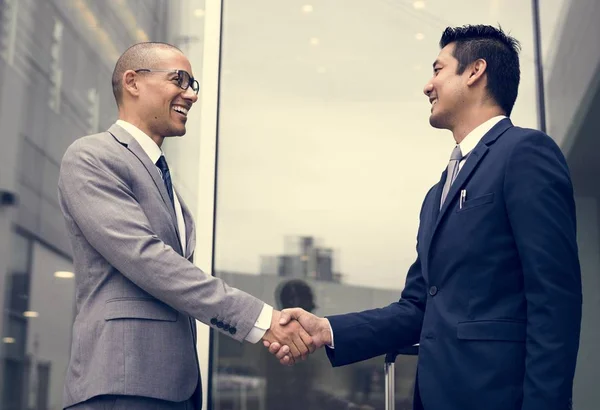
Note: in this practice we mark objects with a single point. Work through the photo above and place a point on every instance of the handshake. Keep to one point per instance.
(294, 333)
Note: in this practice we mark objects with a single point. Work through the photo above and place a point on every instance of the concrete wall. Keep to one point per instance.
(573, 104)
(586, 395)
(573, 74)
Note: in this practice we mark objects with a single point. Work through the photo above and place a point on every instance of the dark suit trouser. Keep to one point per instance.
(112, 402)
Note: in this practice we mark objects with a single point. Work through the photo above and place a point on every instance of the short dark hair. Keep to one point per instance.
(499, 50)
(140, 55)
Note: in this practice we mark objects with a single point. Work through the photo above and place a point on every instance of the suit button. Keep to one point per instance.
(226, 327)
(220, 324)
(433, 290)
(232, 330)
(213, 321)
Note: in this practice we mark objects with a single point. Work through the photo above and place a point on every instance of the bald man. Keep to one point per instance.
(137, 290)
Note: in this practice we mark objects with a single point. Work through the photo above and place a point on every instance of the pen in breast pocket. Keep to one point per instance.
(463, 198)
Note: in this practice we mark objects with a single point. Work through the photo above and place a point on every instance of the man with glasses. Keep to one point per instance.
(138, 292)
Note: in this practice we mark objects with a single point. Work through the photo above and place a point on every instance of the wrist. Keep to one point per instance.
(326, 331)
(275, 318)
(267, 336)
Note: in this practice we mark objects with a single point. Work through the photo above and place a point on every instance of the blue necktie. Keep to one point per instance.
(166, 176)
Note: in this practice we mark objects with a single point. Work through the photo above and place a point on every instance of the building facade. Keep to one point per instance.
(56, 62)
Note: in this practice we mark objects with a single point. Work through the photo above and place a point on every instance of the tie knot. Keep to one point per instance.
(162, 164)
(456, 154)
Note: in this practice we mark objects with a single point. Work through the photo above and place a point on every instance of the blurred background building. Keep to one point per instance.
(303, 258)
(56, 62)
(306, 107)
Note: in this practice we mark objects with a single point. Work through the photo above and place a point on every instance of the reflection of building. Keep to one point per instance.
(360, 383)
(302, 259)
(56, 61)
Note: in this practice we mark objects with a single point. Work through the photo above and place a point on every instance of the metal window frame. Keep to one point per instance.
(207, 176)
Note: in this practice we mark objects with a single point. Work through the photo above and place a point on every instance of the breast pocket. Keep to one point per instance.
(471, 203)
(138, 308)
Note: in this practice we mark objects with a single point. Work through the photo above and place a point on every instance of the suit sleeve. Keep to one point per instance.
(363, 335)
(541, 209)
(98, 199)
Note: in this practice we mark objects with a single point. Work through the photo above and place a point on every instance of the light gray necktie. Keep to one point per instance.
(452, 172)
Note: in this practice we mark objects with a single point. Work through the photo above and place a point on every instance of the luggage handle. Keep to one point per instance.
(389, 367)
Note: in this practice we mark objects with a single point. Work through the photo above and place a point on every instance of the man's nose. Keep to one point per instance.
(190, 95)
(427, 89)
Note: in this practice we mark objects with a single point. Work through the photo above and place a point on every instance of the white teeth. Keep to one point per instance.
(180, 109)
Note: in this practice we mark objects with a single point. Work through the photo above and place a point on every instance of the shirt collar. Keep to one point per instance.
(473, 138)
(148, 145)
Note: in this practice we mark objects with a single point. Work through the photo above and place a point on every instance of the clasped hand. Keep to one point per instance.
(295, 333)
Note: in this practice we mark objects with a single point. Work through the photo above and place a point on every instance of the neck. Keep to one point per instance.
(134, 119)
(472, 120)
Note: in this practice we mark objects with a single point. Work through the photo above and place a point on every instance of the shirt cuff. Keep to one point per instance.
(330, 330)
(263, 323)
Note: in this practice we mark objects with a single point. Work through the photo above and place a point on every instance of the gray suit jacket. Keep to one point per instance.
(134, 332)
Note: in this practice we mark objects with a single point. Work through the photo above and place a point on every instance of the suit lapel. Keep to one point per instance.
(470, 165)
(132, 145)
(434, 212)
(435, 209)
(190, 229)
(430, 224)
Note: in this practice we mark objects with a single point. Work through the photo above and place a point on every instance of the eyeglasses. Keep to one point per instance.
(184, 79)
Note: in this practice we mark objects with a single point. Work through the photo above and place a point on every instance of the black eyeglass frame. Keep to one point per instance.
(181, 75)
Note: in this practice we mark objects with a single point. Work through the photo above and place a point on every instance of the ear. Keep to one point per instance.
(130, 84)
(476, 71)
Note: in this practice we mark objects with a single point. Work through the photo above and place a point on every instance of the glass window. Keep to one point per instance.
(37, 327)
(14, 331)
(42, 43)
(325, 156)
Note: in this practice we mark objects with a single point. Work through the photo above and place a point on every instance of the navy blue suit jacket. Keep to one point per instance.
(494, 297)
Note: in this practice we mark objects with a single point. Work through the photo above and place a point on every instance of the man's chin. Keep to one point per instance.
(173, 134)
(435, 122)
(177, 131)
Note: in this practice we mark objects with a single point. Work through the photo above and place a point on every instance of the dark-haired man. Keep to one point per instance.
(494, 297)
(138, 292)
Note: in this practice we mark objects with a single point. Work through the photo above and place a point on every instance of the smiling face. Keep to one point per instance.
(159, 102)
(446, 90)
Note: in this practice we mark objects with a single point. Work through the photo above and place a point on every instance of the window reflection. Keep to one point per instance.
(14, 332)
(325, 155)
(36, 330)
(56, 61)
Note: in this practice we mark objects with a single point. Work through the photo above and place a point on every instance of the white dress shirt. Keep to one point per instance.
(263, 323)
(472, 139)
(466, 146)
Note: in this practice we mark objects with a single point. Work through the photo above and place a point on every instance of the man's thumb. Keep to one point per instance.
(287, 315)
